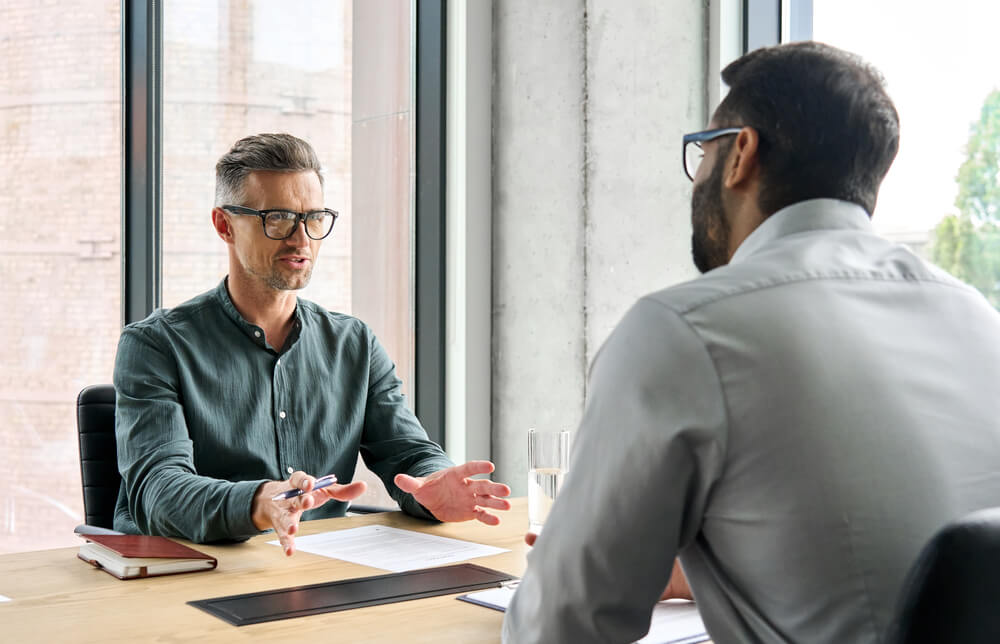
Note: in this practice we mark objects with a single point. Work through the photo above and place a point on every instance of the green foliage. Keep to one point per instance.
(979, 177)
(967, 245)
(970, 252)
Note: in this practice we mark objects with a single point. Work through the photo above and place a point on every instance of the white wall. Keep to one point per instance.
(590, 201)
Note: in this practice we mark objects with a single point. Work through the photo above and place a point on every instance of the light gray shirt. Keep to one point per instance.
(795, 425)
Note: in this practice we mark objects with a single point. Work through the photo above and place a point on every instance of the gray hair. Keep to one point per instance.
(267, 152)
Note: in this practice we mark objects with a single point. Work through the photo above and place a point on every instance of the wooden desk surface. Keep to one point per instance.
(59, 598)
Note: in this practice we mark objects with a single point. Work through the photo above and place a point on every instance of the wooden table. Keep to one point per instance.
(58, 598)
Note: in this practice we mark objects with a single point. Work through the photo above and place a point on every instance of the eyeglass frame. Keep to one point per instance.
(301, 218)
(703, 137)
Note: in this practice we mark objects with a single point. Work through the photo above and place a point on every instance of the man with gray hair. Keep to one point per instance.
(241, 394)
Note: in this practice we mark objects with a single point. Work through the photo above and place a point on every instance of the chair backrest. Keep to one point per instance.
(95, 424)
(952, 593)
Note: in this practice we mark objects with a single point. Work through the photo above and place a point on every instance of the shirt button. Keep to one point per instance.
(282, 414)
(290, 470)
(279, 362)
(256, 334)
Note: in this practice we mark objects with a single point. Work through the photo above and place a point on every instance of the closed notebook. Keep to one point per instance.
(130, 556)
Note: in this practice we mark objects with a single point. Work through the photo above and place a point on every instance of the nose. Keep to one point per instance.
(298, 238)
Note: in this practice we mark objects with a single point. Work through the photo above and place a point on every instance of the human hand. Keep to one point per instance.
(450, 495)
(283, 515)
(677, 587)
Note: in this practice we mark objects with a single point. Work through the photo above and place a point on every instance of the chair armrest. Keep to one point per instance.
(84, 528)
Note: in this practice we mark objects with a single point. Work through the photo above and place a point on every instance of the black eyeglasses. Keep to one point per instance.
(693, 154)
(281, 224)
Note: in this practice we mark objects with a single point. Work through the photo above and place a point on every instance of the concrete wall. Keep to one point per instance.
(590, 201)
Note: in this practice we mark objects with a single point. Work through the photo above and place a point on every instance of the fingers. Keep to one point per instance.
(285, 525)
(407, 483)
(301, 480)
(485, 487)
(492, 502)
(473, 467)
(339, 492)
(485, 517)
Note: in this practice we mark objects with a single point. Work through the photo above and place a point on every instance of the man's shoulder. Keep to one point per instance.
(687, 296)
(184, 313)
(337, 322)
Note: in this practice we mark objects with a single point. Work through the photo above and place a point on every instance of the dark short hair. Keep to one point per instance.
(267, 152)
(827, 127)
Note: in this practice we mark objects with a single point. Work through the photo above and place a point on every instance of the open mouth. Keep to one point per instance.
(295, 261)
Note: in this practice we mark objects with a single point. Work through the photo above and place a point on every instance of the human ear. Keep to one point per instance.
(223, 227)
(741, 166)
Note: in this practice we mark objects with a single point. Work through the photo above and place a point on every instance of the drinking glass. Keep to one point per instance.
(548, 461)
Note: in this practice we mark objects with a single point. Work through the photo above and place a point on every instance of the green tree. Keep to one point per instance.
(967, 245)
(979, 176)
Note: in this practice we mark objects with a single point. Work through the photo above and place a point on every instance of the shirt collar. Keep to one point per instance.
(254, 332)
(804, 216)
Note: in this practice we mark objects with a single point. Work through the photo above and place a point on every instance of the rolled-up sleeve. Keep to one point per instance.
(649, 447)
(165, 494)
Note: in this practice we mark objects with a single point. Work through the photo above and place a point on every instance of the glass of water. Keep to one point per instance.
(548, 461)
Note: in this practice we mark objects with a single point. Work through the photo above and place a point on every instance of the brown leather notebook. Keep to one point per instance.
(132, 556)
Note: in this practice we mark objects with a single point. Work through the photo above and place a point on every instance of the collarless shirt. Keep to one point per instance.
(796, 425)
(207, 411)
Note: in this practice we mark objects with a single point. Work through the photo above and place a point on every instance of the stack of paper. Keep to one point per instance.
(392, 549)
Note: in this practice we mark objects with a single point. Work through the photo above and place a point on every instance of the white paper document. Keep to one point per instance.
(4, 598)
(676, 622)
(673, 622)
(391, 549)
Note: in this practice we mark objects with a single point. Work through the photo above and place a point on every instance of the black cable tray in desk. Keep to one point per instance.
(327, 597)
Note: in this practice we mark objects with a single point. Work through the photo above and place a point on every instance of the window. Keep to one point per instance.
(60, 183)
(335, 72)
(940, 73)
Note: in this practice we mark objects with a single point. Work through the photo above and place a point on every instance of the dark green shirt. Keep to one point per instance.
(207, 411)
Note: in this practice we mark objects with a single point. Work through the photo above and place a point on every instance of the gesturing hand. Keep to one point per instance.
(450, 495)
(284, 515)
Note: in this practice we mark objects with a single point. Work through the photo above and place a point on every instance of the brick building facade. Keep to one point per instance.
(60, 176)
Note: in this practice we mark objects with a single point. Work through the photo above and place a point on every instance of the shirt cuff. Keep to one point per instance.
(239, 508)
(414, 509)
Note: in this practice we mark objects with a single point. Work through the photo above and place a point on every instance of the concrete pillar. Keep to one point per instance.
(591, 207)
(538, 225)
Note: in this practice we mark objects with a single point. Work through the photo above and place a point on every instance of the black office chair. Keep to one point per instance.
(952, 593)
(95, 424)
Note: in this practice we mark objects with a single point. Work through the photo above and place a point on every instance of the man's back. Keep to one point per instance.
(797, 423)
(860, 388)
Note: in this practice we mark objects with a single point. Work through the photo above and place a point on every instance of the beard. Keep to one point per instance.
(278, 281)
(710, 234)
(281, 282)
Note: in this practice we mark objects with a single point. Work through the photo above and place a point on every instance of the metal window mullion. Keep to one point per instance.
(761, 23)
(429, 283)
(800, 19)
(141, 158)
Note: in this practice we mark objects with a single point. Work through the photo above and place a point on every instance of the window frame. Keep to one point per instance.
(142, 188)
(771, 22)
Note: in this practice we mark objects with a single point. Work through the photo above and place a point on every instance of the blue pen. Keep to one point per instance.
(321, 482)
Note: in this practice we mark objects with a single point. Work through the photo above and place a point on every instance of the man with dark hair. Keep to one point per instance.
(795, 423)
(231, 399)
